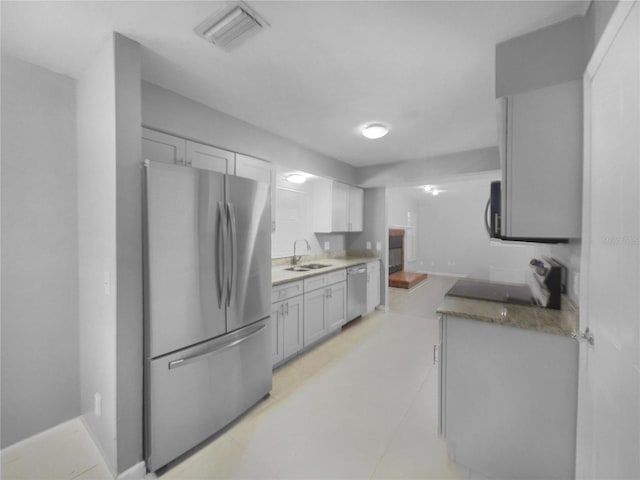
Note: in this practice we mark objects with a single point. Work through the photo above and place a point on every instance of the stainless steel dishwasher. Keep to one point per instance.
(356, 291)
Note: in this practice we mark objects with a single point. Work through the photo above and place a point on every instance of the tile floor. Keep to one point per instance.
(362, 405)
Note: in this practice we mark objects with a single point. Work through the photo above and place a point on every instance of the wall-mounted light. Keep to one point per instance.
(296, 178)
(375, 130)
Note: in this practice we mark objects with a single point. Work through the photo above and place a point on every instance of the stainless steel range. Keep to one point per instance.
(546, 283)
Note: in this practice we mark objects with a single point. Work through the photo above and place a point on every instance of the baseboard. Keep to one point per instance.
(136, 472)
(442, 274)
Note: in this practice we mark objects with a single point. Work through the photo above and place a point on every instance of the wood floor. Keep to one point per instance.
(406, 279)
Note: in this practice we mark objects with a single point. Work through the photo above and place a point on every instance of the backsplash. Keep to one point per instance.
(315, 257)
(569, 255)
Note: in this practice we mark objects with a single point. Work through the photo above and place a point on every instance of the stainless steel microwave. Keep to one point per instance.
(494, 222)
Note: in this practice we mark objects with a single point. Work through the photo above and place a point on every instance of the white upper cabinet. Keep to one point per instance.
(160, 147)
(210, 158)
(356, 209)
(338, 207)
(540, 134)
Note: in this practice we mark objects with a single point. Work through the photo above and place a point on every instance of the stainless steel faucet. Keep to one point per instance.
(295, 260)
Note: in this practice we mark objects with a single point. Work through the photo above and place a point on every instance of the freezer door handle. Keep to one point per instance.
(231, 221)
(221, 264)
(215, 350)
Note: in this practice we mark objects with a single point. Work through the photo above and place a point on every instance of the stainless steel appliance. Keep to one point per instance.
(545, 285)
(207, 304)
(356, 291)
(493, 219)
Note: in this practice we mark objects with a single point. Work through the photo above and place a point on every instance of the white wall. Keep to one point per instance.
(551, 55)
(403, 213)
(294, 220)
(129, 320)
(453, 239)
(375, 232)
(167, 111)
(40, 373)
(97, 247)
(416, 172)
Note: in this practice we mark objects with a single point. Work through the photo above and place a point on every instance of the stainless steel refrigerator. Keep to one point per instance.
(207, 304)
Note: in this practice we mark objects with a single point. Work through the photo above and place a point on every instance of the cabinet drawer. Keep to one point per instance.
(335, 277)
(320, 281)
(287, 290)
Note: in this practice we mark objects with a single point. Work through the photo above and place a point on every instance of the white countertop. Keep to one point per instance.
(280, 275)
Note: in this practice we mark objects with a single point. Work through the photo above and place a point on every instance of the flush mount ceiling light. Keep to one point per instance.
(233, 24)
(296, 178)
(375, 130)
(427, 188)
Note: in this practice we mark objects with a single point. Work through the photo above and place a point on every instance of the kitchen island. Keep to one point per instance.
(508, 387)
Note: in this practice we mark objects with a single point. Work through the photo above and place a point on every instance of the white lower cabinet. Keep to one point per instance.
(373, 285)
(286, 329)
(507, 399)
(314, 315)
(336, 306)
(325, 309)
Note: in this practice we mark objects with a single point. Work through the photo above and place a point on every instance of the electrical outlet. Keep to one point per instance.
(327, 245)
(379, 246)
(368, 245)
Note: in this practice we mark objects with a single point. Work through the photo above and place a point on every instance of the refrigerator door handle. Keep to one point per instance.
(221, 232)
(215, 350)
(231, 219)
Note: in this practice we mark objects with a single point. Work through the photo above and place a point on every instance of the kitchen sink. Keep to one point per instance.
(307, 267)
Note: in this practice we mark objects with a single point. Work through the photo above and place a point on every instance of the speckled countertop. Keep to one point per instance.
(558, 322)
(279, 275)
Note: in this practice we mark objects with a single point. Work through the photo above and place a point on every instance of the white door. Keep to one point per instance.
(356, 209)
(160, 147)
(339, 207)
(609, 395)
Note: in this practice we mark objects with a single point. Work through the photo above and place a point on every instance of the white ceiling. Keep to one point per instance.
(319, 72)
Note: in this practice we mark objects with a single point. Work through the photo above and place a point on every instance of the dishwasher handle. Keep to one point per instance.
(358, 269)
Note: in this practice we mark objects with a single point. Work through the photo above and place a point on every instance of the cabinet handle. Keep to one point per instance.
(287, 312)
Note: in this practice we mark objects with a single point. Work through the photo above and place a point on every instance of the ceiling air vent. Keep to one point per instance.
(229, 27)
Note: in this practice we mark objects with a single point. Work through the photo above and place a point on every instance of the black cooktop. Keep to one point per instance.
(493, 291)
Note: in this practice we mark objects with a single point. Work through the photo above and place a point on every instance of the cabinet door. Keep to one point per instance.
(277, 322)
(260, 171)
(356, 209)
(161, 147)
(337, 306)
(544, 163)
(339, 207)
(314, 315)
(210, 158)
(373, 286)
(293, 327)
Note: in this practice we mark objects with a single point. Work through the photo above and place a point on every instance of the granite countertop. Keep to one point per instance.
(279, 275)
(558, 322)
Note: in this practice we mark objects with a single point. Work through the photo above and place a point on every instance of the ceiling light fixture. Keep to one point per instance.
(435, 192)
(296, 178)
(375, 130)
(228, 27)
(427, 188)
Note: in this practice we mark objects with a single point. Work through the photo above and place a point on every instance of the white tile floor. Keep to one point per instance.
(361, 405)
